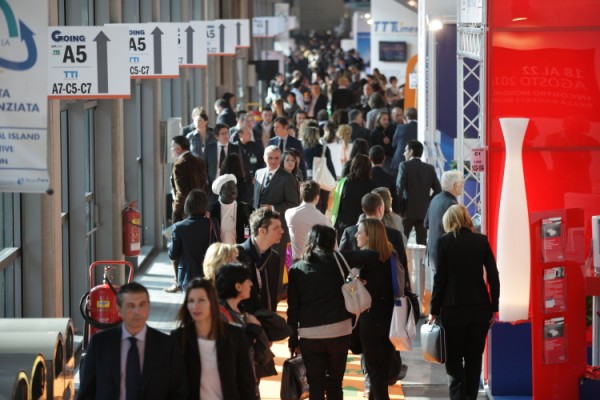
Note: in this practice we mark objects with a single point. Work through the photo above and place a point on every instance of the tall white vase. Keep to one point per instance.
(513, 249)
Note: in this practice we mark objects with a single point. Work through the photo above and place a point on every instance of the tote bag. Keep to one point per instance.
(321, 173)
(356, 297)
(403, 330)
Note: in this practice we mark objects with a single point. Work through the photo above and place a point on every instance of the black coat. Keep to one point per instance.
(190, 239)
(415, 182)
(383, 179)
(458, 280)
(433, 220)
(350, 204)
(233, 360)
(241, 219)
(163, 374)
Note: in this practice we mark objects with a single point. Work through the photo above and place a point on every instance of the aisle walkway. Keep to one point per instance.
(423, 380)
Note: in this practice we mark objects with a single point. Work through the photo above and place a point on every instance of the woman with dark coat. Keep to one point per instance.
(374, 324)
(382, 135)
(215, 353)
(190, 239)
(359, 146)
(461, 298)
(317, 312)
(313, 148)
(358, 183)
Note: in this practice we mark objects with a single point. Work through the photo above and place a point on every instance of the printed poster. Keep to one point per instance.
(552, 240)
(554, 289)
(554, 341)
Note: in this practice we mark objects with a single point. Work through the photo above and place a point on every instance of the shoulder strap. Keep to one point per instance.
(339, 265)
(394, 276)
(225, 312)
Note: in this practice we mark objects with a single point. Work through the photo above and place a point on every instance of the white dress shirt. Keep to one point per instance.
(300, 221)
(228, 216)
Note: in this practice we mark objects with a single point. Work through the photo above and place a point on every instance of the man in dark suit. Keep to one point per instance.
(230, 216)
(373, 207)
(276, 189)
(189, 172)
(417, 183)
(113, 367)
(258, 254)
(342, 98)
(452, 187)
(190, 239)
(216, 152)
(357, 124)
(403, 134)
(225, 114)
(382, 178)
(318, 101)
(264, 130)
(285, 141)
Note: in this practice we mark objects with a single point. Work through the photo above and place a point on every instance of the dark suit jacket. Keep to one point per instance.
(358, 132)
(187, 129)
(292, 143)
(383, 179)
(211, 155)
(415, 181)
(190, 239)
(348, 242)
(320, 104)
(163, 375)
(241, 219)
(189, 172)
(350, 208)
(233, 362)
(404, 133)
(282, 192)
(227, 117)
(269, 265)
(317, 151)
(258, 130)
(433, 220)
(458, 280)
(342, 99)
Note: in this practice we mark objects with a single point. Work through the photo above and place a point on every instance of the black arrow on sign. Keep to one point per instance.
(222, 33)
(239, 33)
(102, 54)
(156, 33)
(190, 44)
(266, 27)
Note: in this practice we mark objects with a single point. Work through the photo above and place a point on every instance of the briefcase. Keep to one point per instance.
(433, 343)
(294, 385)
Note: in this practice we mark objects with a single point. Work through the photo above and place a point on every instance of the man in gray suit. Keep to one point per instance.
(417, 183)
(452, 186)
(277, 190)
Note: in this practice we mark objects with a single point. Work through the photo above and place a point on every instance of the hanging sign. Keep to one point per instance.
(191, 39)
(268, 26)
(221, 37)
(478, 159)
(82, 58)
(153, 51)
(242, 32)
(23, 106)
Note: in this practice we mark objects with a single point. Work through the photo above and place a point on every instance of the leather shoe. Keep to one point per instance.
(172, 289)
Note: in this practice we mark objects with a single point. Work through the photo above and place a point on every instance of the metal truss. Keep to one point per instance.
(471, 112)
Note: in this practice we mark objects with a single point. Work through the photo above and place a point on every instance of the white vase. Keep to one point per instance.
(513, 248)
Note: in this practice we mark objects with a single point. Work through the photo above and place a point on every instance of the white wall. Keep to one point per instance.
(392, 22)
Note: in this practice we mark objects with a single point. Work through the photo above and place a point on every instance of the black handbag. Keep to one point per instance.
(433, 343)
(274, 325)
(294, 385)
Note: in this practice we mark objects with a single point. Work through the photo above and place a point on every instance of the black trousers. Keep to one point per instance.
(377, 350)
(325, 362)
(466, 330)
(420, 230)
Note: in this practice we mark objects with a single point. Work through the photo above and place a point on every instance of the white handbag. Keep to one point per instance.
(356, 297)
(321, 173)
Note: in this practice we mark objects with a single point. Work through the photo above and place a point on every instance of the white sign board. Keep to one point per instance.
(153, 51)
(221, 37)
(191, 39)
(82, 58)
(242, 33)
(23, 104)
(268, 26)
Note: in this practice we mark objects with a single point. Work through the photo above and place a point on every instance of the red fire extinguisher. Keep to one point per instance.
(131, 230)
(99, 305)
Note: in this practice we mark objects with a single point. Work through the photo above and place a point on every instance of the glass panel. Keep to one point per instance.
(7, 283)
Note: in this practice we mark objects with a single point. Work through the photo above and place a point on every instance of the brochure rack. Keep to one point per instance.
(557, 303)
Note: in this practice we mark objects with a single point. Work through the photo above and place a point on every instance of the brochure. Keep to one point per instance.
(552, 240)
(554, 340)
(554, 289)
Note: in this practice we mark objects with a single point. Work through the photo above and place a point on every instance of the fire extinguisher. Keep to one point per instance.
(99, 305)
(131, 230)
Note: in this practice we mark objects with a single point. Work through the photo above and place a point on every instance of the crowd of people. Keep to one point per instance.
(252, 225)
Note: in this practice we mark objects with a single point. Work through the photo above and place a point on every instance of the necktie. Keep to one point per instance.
(132, 371)
(281, 147)
(267, 180)
(222, 156)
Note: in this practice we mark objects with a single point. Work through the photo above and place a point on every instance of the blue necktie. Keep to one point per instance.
(132, 371)
(281, 145)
